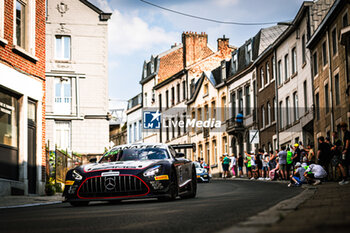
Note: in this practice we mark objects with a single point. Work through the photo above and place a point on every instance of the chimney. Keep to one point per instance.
(194, 47)
(223, 43)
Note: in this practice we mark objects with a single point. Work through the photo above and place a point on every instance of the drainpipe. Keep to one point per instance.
(330, 80)
(276, 98)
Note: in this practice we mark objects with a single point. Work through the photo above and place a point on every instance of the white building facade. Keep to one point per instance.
(77, 77)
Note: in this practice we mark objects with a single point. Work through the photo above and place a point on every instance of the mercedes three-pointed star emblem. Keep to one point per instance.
(110, 183)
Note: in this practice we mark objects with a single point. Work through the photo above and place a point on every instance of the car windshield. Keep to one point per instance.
(120, 154)
(197, 165)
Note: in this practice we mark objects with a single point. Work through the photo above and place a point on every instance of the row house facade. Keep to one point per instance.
(329, 47)
(134, 119)
(243, 88)
(22, 97)
(77, 77)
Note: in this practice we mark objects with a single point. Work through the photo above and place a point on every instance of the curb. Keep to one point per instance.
(273, 215)
(31, 205)
(255, 180)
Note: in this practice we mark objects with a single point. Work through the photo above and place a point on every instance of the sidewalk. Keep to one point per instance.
(30, 200)
(328, 210)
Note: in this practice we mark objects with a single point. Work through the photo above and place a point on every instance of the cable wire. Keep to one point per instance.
(207, 19)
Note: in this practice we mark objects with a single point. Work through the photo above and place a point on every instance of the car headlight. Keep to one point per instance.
(76, 175)
(152, 171)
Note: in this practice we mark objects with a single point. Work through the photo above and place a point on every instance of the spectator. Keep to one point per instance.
(226, 164)
(297, 152)
(289, 160)
(323, 152)
(233, 165)
(258, 161)
(311, 153)
(253, 166)
(297, 178)
(314, 173)
(274, 172)
(346, 147)
(337, 158)
(240, 165)
(282, 155)
(248, 163)
(305, 162)
(265, 166)
(272, 162)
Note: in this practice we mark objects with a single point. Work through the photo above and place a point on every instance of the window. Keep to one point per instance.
(167, 130)
(178, 92)
(8, 119)
(63, 96)
(234, 63)
(223, 104)
(160, 102)
(63, 48)
(268, 119)
(326, 97)
(206, 112)
(345, 20)
(262, 77)
(274, 110)
(303, 48)
(281, 115)
(286, 67)
(193, 117)
(172, 96)
(213, 109)
(63, 135)
(215, 152)
(240, 101)
(305, 95)
(206, 89)
(184, 120)
(337, 89)
(178, 126)
(192, 86)
(173, 127)
(225, 149)
(167, 99)
(200, 151)
(273, 68)
(21, 23)
(296, 106)
(294, 60)
(199, 114)
(233, 103)
(279, 72)
(324, 53)
(140, 130)
(248, 53)
(334, 41)
(262, 117)
(247, 100)
(207, 152)
(287, 111)
(267, 73)
(129, 134)
(135, 132)
(183, 90)
(317, 106)
(315, 65)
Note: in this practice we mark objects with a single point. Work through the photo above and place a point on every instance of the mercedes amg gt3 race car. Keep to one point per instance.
(132, 171)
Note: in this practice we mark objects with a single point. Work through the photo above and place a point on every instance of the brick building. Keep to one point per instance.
(22, 96)
(329, 47)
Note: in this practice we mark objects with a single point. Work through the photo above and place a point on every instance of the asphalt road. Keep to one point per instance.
(218, 205)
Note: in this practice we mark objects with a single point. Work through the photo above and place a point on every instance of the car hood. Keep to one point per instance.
(201, 170)
(133, 164)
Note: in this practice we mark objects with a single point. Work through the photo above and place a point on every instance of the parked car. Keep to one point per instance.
(132, 171)
(202, 173)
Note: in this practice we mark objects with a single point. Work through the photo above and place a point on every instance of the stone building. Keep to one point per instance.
(22, 97)
(77, 77)
(329, 47)
(134, 119)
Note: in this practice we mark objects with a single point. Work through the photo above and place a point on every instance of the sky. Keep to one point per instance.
(138, 30)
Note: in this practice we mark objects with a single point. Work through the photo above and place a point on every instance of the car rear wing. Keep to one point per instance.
(184, 146)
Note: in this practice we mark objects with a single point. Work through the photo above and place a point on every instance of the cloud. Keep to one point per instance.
(128, 33)
(103, 5)
(226, 2)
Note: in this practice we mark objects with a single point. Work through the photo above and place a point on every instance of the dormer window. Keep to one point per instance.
(249, 52)
(234, 62)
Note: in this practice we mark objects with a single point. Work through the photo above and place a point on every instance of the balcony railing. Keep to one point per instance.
(233, 125)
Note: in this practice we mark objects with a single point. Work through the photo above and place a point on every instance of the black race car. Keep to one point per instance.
(132, 171)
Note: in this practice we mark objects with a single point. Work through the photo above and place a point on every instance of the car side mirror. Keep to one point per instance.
(180, 155)
(93, 160)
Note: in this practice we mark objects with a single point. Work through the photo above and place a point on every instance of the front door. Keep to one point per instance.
(31, 172)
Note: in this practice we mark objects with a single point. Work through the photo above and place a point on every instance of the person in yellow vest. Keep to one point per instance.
(248, 162)
(289, 161)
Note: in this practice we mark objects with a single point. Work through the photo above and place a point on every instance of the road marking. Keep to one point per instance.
(30, 205)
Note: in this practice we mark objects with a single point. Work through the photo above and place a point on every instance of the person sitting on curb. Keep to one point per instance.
(314, 173)
(274, 173)
(297, 179)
